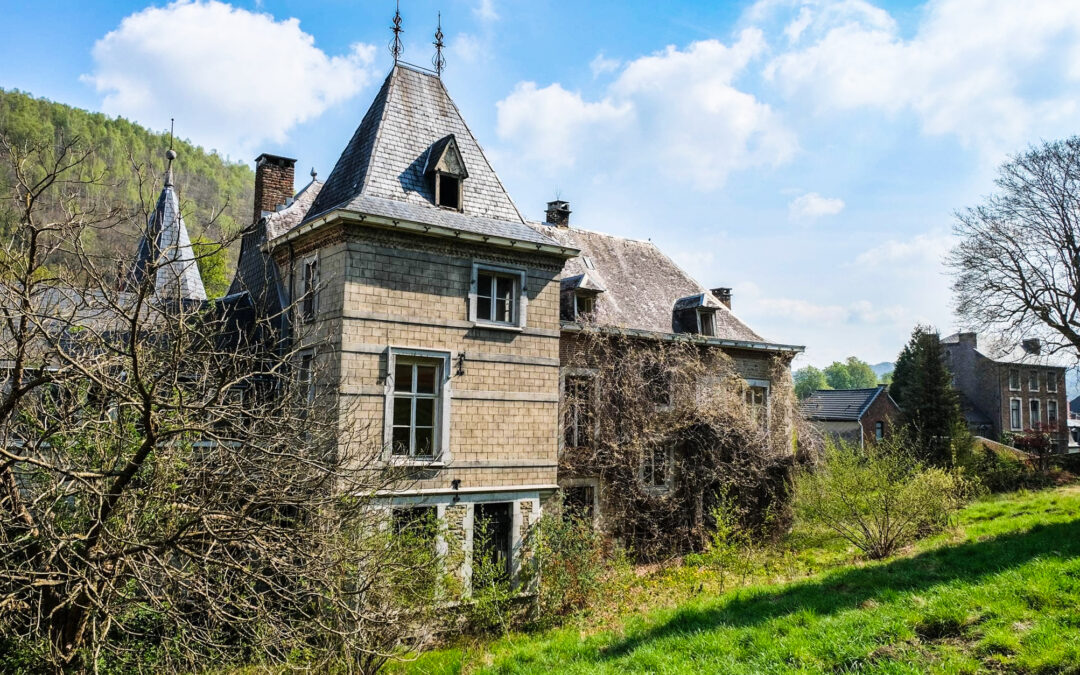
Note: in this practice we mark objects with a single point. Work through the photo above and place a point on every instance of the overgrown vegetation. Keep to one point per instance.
(995, 592)
(667, 427)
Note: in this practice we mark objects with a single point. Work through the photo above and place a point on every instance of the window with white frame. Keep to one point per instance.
(1033, 380)
(1051, 413)
(305, 377)
(879, 430)
(416, 407)
(1034, 413)
(656, 467)
(1014, 379)
(1015, 423)
(706, 322)
(584, 304)
(1051, 381)
(497, 296)
(309, 289)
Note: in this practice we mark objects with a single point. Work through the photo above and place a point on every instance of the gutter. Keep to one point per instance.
(565, 252)
(573, 327)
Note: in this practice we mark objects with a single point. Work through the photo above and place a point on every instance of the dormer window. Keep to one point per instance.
(448, 191)
(707, 322)
(584, 304)
(446, 172)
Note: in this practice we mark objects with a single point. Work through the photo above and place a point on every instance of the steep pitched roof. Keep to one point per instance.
(165, 244)
(641, 284)
(839, 404)
(382, 170)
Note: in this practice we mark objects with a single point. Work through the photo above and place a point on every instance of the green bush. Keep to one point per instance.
(1001, 472)
(570, 564)
(878, 498)
(729, 551)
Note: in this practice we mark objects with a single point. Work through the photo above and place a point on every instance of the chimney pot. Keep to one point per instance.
(558, 213)
(273, 183)
(723, 295)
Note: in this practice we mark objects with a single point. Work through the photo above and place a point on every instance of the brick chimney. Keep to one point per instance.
(273, 183)
(723, 295)
(558, 213)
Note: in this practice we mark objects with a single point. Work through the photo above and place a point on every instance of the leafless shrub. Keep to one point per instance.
(174, 491)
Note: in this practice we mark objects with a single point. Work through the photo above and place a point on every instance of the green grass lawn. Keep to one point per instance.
(998, 593)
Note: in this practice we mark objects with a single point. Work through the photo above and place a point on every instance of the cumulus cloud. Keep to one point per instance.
(677, 110)
(811, 206)
(233, 79)
(485, 11)
(987, 72)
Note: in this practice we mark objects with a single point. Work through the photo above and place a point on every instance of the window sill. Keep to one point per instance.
(499, 326)
(397, 460)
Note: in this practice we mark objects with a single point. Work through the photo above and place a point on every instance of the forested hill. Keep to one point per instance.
(216, 195)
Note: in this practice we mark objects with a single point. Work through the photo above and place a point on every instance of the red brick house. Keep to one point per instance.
(855, 415)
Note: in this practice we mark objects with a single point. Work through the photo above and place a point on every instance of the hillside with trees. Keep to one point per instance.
(125, 169)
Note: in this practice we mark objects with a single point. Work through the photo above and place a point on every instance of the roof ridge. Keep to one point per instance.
(392, 78)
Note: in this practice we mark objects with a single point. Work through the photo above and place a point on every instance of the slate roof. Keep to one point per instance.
(1004, 351)
(641, 284)
(165, 243)
(280, 222)
(381, 170)
(839, 405)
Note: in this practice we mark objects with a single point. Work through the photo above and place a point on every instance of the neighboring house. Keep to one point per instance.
(1009, 388)
(439, 314)
(854, 415)
(1074, 434)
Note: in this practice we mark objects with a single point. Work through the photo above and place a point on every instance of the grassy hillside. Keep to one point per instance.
(216, 195)
(999, 593)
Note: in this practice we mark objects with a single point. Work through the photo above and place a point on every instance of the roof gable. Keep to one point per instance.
(444, 157)
(839, 404)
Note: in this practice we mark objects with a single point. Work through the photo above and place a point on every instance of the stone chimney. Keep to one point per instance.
(723, 295)
(558, 213)
(1032, 346)
(968, 339)
(273, 183)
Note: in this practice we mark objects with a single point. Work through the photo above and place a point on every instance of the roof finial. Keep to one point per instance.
(396, 47)
(314, 173)
(439, 61)
(170, 154)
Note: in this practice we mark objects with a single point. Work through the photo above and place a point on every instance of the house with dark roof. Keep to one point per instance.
(1008, 388)
(439, 314)
(854, 415)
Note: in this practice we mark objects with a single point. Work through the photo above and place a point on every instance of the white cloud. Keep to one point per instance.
(811, 206)
(233, 79)
(921, 250)
(485, 11)
(678, 111)
(602, 64)
(753, 302)
(987, 72)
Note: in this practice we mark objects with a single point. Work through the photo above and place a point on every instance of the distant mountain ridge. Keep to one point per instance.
(216, 195)
(882, 368)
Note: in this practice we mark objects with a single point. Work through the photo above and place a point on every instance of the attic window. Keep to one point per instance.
(448, 191)
(584, 304)
(707, 322)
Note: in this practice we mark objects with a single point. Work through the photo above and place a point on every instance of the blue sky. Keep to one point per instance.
(807, 153)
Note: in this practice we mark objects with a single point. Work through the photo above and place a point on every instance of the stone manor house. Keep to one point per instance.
(444, 315)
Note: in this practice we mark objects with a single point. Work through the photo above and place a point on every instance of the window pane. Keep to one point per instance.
(501, 313)
(483, 285)
(425, 412)
(403, 377)
(402, 410)
(504, 287)
(424, 441)
(483, 308)
(401, 441)
(425, 379)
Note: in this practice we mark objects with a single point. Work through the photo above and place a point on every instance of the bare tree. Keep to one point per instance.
(1017, 266)
(177, 485)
